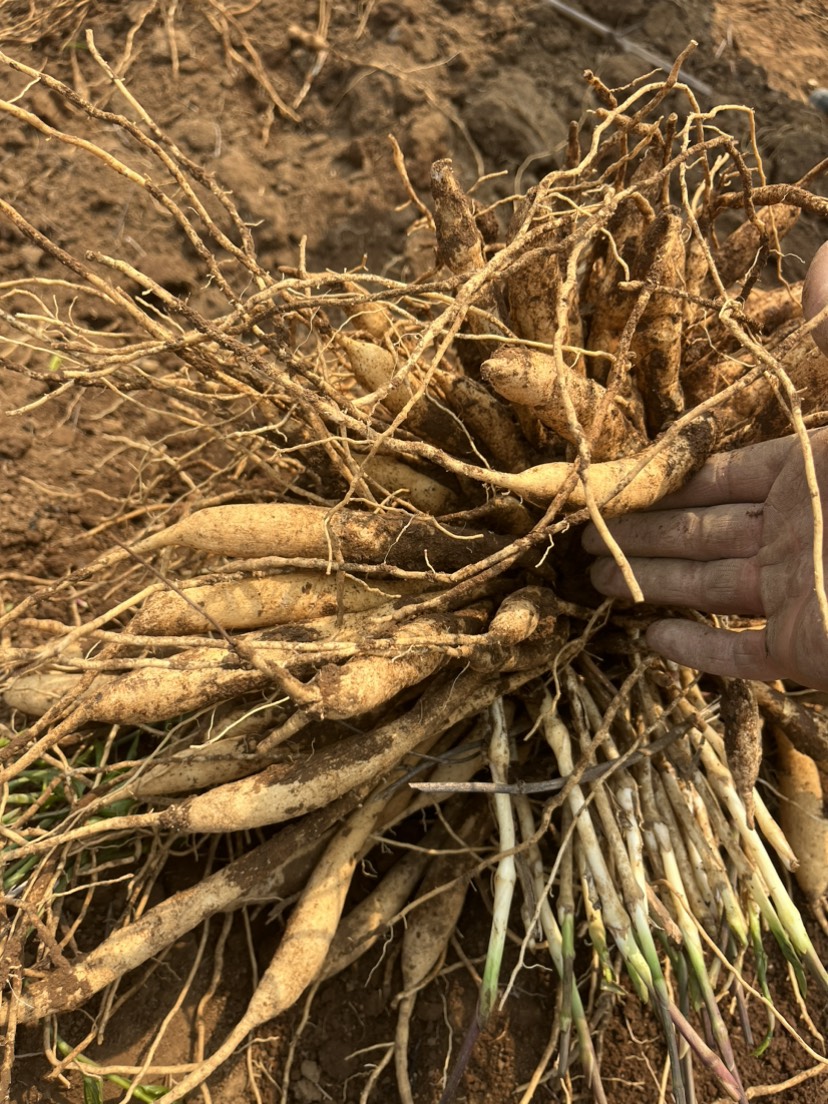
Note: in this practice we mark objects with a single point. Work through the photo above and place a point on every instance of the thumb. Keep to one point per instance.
(815, 295)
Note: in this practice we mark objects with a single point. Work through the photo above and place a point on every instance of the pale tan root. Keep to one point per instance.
(314, 531)
(427, 935)
(460, 243)
(756, 409)
(276, 868)
(490, 422)
(412, 486)
(802, 817)
(664, 470)
(374, 318)
(146, 695)
(376, 369)
(366, 922)
(195, 768)
(742, 735)
(301, 953)
(695, 275)
(366, 682)
(534, 293)
(528, 614)
(284, 791)
(36, 693)
(284, 599)
(198, 677)
(529, 377)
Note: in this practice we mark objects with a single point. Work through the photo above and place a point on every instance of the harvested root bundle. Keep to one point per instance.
(406, 598)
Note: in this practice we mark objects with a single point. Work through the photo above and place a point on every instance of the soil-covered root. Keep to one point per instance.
(491, 423)
(291, 788)
(743, 739)
(739, 250)
(279, 867)
(621, 486)
(284, 791)
(428, 931)
(143, 696)
(364, 683)
(284, 599)
(656, 347)
(802, 815)
(376, 369)
(609, 301)
(197, 768)
(396, 656)
(460, 245)
(530, 378)
(297, 531)
(302, 951)
(368, 921)
(404, 483)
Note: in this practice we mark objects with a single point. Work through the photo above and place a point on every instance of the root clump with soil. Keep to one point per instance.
(371, 618)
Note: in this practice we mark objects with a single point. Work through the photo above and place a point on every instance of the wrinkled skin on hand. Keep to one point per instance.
(815, 295)
(737, 539)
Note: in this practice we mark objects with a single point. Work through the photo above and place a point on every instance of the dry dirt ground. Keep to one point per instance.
(493, 85)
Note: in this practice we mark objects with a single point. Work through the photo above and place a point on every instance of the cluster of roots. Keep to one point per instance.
(380, 608)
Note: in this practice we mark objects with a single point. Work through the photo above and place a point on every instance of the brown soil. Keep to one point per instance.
(492, 85)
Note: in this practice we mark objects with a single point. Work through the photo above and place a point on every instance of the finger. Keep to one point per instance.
(722, 586)
(797, 636)
(717, 651)
(745, 475)
(815, 295)
(709, 533)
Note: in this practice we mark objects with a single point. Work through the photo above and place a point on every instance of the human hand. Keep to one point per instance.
(737, 539)
(815, 295)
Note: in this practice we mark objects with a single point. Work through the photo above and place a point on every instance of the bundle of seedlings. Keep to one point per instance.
(368, 628)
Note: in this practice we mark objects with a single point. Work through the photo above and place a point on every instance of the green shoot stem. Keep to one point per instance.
(505, 874)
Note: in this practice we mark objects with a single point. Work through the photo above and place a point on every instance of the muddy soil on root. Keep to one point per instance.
(491, 85)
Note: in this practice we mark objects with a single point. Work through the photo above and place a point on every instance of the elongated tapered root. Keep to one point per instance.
(530, 378)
